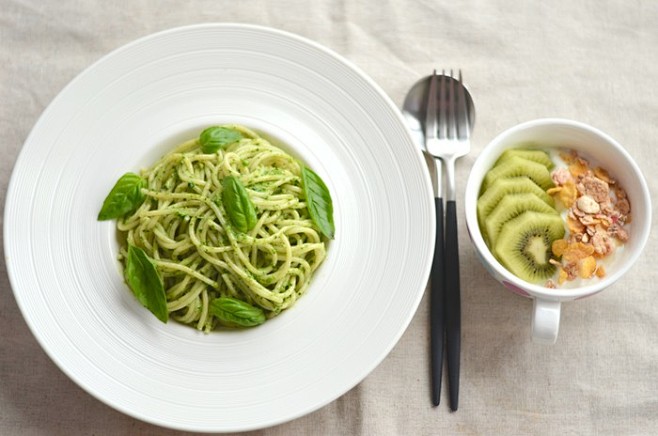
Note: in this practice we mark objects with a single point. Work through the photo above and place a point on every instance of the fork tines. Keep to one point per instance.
(455, 117)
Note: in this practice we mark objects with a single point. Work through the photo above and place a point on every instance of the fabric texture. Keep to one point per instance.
(592, 61)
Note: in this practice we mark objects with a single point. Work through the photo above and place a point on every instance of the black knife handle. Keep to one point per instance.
(452, 303)
(437, 311)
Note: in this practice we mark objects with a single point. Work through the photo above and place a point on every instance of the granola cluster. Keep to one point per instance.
(597, 210)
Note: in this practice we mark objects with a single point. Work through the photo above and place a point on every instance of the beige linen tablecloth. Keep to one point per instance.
(592, 61)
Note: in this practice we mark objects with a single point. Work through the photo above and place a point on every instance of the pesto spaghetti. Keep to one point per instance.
(225, 229)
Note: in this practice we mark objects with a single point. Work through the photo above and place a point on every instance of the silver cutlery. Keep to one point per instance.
(441, 116)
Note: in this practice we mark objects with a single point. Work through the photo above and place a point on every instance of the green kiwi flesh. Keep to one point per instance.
(509, 208)
(515, 166)
(508, 186)
(539, 156)
(524, 244)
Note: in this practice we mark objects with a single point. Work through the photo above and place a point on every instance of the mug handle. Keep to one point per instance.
(545, 321)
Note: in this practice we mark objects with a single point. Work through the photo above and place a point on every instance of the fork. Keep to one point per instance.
(447, 138)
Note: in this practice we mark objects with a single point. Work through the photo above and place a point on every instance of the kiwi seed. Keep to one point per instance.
(524, 244)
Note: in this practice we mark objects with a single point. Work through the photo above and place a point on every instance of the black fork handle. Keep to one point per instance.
(437, 311)
(452, 303)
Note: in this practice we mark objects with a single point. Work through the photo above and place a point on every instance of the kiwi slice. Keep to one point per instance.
(524, 244)
(510, 207)
(508, 186)
(515, 166)
(539, 156)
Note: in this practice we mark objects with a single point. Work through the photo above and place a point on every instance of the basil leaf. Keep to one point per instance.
(215, 137)
(318, 202)
(238, 205)
(124, 198)
(236, 313)
(145, 282)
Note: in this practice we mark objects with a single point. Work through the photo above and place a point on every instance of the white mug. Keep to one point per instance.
(606, 152)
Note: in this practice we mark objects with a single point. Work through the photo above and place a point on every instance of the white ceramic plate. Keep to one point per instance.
(132, 106)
